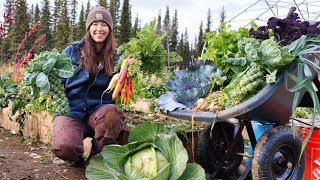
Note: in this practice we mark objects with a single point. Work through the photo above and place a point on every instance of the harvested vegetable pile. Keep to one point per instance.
(250, 60)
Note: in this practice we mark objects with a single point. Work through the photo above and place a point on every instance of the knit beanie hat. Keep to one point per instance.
(99, 13)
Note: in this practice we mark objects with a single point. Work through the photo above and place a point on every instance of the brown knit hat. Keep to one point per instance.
(99, 13)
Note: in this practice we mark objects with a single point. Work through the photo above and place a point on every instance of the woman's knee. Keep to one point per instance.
(110, 115)
(67, 151)
(107, 121)
(67, 138)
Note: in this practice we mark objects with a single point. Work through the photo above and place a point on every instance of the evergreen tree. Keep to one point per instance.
(5, 53)
(181, 44)
(36, 15)
(158, 29)
(56, 15)
(73, 12)
(209, 21)
(31, 15)
(174, 32)
(200, 40)
(125, 22)
(34, 18)
(194, 47)
(186, 49)
(88, 9)
(81, 28)
(135, 26)
(73, 27)
(166, 28)
(20, 25)
(45, 28)
(223, 15)
(103, 3)
(63, 28)
(115, 14)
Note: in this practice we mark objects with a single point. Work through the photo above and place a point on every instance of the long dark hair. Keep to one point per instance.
(91, 60)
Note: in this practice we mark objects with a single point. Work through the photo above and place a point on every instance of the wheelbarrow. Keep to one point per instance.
(220, 149)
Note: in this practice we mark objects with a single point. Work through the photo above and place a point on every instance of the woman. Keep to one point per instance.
(91, 113)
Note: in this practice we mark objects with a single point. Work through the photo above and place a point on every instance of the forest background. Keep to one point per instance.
(63, 23)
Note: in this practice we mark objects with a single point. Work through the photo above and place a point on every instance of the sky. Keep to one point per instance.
(192, 12)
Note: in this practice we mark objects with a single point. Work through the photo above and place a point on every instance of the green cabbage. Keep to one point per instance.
(146, 163)
(153, 153)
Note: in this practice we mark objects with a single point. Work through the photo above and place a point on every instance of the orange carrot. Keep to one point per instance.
(113, 82)
(123, 95)
(117, 89)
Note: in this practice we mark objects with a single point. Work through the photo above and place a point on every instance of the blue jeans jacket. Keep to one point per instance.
(85, 91)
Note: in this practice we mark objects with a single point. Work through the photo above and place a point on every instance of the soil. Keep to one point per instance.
(22, 159)
(27, 160)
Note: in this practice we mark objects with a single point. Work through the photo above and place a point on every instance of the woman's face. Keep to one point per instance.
(99, 32)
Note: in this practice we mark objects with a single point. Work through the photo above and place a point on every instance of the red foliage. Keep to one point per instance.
(19, 63)
(7, 19)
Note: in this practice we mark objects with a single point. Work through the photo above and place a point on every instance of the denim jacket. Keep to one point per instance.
(84, 91)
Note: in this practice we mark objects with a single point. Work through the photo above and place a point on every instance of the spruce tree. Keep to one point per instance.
(34, 18)
(222, 15)
(135, 26)
(63, 28)
(181, 45)
(73, 27)
(174, 32)
(31, 15)
(81, 27)
(186, 49)
(73, 13)
(5, 53)
(158, 29)
(200, 40)
(166, 29)
(56, 14)
(19, 26)
(115, 14)
(125, 23)
(103, 3)
(209, 21)
(36, 15)
(45, 27)
(195, 47)
(87, 9)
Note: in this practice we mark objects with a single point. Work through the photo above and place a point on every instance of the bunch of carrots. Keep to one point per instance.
(121, 83)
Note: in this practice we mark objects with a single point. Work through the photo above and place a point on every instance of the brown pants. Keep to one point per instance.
(104, 125)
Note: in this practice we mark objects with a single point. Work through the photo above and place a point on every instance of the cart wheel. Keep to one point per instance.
(211, 151)
(276, 155)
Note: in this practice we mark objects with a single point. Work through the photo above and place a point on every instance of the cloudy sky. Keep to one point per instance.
(192, 12)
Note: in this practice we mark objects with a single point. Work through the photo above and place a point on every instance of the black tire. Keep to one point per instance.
(211, 150)
(276, 156)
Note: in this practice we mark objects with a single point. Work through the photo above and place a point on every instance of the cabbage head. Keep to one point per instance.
(146, 163)
(153, 152)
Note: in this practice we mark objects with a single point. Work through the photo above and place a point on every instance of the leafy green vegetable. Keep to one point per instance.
(187, 86)
(274, 56)
(159, 156)
(147, 50)
(221, 45)
(44, 72)
(303, 48)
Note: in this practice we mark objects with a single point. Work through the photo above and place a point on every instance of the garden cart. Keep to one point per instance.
(220, 149)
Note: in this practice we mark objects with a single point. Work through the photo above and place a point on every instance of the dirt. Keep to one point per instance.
(28, 159)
